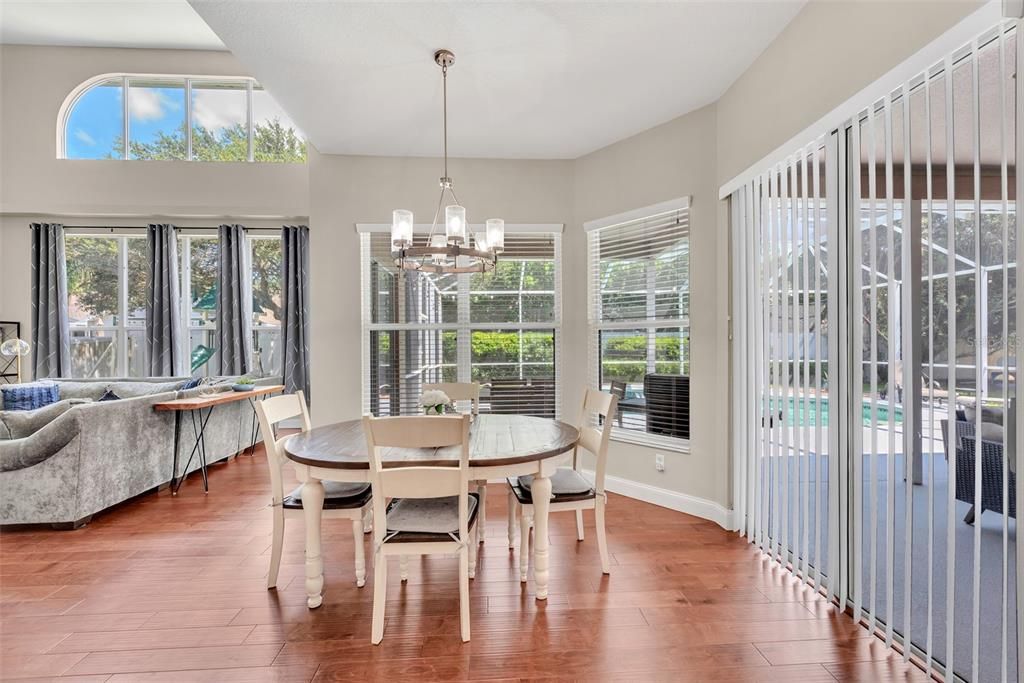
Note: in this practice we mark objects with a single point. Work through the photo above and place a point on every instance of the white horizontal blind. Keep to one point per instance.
(499, 328)
(639, 290)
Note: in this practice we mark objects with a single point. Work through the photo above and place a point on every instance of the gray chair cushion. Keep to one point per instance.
(565, 481)
(338, 495)
(428, 515)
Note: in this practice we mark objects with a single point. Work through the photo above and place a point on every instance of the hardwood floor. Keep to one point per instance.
(173, 589)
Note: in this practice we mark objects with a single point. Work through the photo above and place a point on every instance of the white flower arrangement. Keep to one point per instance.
(434, 401)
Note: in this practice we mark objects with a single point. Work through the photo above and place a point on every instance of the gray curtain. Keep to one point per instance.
(51, 333)
(295, 307)
(164, 345)
(234, 300)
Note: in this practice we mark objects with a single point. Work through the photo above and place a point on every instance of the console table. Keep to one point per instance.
(198, 404)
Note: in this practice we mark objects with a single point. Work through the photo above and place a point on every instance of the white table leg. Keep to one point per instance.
(541, 493)
(312, 506)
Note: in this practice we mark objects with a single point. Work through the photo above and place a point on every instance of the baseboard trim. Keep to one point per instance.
(673, 500)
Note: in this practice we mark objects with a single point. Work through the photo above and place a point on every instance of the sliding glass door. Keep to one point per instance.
(876, 362)
(933, 265)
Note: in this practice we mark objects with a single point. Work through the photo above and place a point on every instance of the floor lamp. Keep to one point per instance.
(17, 348)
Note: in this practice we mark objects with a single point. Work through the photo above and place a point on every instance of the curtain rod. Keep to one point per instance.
(113, 228)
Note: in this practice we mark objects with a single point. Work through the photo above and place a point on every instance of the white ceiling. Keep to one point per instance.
(531, 80)
(171, 24)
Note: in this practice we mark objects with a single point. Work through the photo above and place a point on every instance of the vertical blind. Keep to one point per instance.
(894, 432)
(500, 329)
(639, 290)
(786, 471)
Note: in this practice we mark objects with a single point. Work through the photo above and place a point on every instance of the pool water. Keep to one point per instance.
(806, 410)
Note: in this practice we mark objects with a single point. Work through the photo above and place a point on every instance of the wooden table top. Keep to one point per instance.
(494, 440)
(197, 402)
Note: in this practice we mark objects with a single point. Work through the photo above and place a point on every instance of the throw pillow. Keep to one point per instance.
(136, 389)
(110, 396)
(17, 424)
(29, 396)
(191, 384)
(83, 389)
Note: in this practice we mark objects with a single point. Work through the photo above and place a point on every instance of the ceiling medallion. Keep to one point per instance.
(451, 251)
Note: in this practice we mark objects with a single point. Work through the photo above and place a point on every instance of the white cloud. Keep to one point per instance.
(85, 137)
(149, 104)
(217, 109)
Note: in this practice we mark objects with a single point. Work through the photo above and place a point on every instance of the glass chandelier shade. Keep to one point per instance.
(401, 228)
(455, 223)
(496, 234)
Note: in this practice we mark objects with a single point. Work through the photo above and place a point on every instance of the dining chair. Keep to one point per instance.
(431, 510)
(349, 501)
(618, 390)
(570, 490)
(467, 391)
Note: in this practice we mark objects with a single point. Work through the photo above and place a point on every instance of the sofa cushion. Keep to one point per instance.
(90, 390)
(17, 424)
(136, 389)
(30, 396)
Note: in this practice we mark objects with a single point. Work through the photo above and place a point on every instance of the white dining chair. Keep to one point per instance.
(349, 501)
(467, 391)
(570, 490)
(431, 510)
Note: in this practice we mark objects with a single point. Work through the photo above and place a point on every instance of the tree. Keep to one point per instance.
(92, 268)
(266, 278)
(272, 142)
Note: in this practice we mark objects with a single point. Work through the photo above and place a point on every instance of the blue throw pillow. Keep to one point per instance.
(110, 396)
(30, 396)
(191, 384)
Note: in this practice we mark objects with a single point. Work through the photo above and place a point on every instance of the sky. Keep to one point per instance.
(97, 119)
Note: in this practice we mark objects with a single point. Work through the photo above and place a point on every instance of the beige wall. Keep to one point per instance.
(36, 185)
(666, 162)
(33, 180)
(829, 52)
(346, 190)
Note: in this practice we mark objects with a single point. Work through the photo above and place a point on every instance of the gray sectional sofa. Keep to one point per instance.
(63, 463)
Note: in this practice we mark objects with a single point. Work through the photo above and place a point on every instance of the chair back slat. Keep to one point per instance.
(270, 412)
(459, 391)
(595, 439)
(421, 482)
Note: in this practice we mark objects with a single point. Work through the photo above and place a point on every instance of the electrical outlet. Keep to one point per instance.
(659, 462)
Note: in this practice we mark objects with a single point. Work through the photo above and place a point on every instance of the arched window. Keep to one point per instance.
(176, 117)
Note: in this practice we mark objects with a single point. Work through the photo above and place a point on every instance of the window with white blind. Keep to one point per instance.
(639, 292)
(500, 328)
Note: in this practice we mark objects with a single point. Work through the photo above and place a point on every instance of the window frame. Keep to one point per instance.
(463, 326)
(252, 236)
(72, 99)
(185, 289)
(185, 237)
(596, 325)
(122, 328)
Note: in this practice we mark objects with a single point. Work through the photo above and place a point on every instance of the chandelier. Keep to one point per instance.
(453, 251)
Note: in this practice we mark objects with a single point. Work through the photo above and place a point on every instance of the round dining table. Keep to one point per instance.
(500, 446)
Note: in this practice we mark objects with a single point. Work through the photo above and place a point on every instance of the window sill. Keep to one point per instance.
(665, 443)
